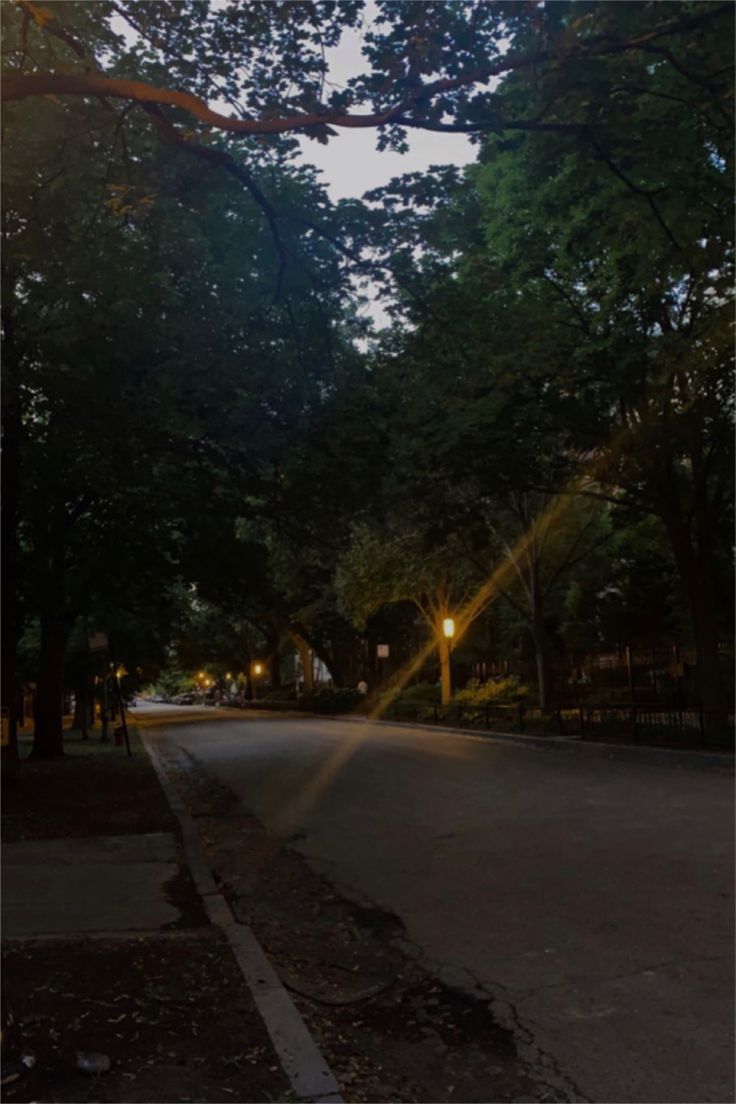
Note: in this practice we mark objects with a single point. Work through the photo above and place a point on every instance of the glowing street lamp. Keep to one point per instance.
(448, 631)
(257, 671)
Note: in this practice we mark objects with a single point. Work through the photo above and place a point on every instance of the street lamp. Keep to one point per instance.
(257, 670)
(448, 631)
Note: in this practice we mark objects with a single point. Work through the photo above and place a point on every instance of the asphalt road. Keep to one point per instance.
(592, 897)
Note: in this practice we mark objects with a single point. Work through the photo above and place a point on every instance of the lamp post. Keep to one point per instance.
(257, 672)
(201, 684)
(448, 633)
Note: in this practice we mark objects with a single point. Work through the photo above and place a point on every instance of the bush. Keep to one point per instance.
(280, 694)
(332, 700)
(421, 693)
(503, 692)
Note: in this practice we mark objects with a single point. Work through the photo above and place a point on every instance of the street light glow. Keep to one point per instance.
(448, 627)
(257, 669)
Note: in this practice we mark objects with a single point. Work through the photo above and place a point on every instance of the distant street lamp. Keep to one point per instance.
(257, 671)
(448, 632)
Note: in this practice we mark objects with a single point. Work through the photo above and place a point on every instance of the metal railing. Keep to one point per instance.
(639, 724)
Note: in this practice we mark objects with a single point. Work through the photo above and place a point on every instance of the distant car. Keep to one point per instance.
(158, 699)
(185, 699)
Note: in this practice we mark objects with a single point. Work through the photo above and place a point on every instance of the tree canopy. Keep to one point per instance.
(203, 436)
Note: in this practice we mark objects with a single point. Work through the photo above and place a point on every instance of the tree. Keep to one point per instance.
(627, 244)
(542, 539)
(269, 65)
(415, 79)
(387, 567)
(150, 369)
(592, 280)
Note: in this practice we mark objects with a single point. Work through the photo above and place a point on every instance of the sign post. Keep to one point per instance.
(99, 643)
(381, 654)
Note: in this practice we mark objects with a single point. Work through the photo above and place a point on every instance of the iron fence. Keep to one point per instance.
(651, 725)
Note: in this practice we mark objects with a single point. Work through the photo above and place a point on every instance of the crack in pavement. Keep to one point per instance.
(542, 1066)
(588, 980)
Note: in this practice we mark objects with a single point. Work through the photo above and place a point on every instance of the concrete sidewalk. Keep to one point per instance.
(98, 884)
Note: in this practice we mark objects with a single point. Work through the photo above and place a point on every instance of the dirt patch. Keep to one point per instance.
(173, 1014)
(389, 1030)
(183, 895)
(93, 790)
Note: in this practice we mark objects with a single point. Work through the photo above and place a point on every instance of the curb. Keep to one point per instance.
(308, 1073)
(704, 760)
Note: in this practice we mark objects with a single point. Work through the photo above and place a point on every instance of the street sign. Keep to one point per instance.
(382, 651)
(98, 642)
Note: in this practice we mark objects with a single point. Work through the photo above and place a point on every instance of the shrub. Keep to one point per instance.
(332, 700)
(421, 693)
(503, 691)
(280, 694)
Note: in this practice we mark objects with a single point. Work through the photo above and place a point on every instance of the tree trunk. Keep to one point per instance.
(542, 658)
(697, 574)
(48, 736)
(274, 669)
(445, 669)
(544, 675)
(12, 435)
(81, 707)
(305, 658)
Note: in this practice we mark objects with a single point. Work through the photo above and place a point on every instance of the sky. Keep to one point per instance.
(350, 163)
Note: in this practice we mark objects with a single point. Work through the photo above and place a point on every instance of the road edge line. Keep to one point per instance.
(306, 1069)
(643, 753)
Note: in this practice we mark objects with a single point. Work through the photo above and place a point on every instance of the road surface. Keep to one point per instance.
(591, 897)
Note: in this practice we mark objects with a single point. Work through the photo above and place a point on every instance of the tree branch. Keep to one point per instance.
(642, 192)
(22, 86)
(225, 161)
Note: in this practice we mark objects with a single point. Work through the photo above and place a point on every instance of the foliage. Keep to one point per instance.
(419, 693)
(282, 694)
(172, 681)
(201, 454)
(331, 701)
(493, 691)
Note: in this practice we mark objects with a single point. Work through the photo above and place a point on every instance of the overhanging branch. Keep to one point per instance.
(18, 86)
(230, 165)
